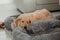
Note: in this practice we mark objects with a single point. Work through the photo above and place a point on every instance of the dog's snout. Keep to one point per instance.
(25, 27)
(29, 21)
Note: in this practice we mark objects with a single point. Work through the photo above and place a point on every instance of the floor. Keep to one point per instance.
(8, 10)
(4, 36)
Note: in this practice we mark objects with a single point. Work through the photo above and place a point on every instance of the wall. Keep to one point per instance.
(48, 4)
(59, 2)
(31, 5)
(26, 5)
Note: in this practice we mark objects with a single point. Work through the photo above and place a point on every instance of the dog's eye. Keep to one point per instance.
(29, 21)
(22, 21)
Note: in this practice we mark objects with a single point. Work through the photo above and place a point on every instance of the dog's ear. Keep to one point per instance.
(17, 21)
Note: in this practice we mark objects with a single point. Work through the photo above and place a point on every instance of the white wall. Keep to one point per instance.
(26, 5)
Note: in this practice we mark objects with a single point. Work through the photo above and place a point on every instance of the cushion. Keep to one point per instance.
(20, 34)
(8, 22)
(47, 29)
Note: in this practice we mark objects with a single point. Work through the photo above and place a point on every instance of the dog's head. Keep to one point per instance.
(23, 21)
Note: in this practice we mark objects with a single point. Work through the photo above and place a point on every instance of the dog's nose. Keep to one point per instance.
(25, 27)
(29, 22)
(28, 31)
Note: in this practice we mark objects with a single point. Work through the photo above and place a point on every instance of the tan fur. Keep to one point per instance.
(24, 19)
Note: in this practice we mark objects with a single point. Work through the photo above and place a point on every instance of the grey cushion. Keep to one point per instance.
(20, 34)
(51, 36)
(43, 30)
(8, 22)
(43, 26)
(58, 17)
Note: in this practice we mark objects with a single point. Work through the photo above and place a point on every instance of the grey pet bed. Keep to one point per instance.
(43, 26)
(39, 30)
(48, 28)
(21, 34)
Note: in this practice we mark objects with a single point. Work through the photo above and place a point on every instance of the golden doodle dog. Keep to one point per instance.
(24, 19)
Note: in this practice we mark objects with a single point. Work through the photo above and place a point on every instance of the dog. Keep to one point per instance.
(24, 19)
